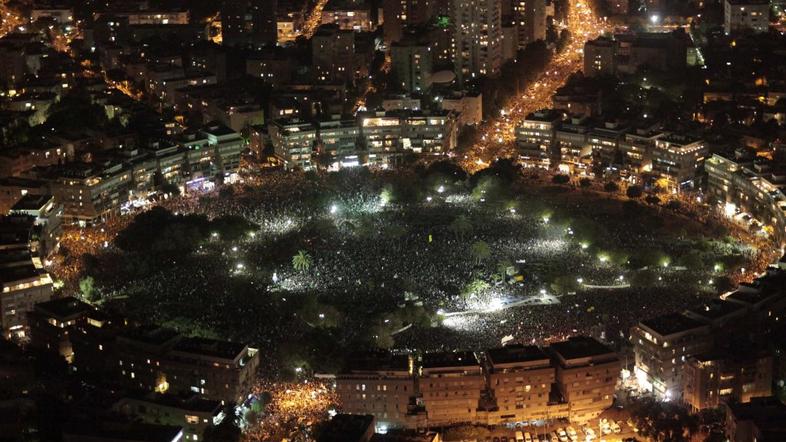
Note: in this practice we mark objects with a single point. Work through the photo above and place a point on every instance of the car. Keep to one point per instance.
(615, 427)
(527, 437)
(590, 433)
(563, 436)
(504, 439)
(519, 436)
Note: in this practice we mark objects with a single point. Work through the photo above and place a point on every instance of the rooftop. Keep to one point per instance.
(210, 347)
(131, 432)
(32, 202)
(578, 347)
(671, 323)
(188, 403)
(151, 335)
(516, 353)
(378, 361)
(347, 428)
(446, 359)
(715, 309)
(64, 308)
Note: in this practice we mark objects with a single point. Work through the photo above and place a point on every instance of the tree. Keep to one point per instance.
(652, 199)
(585, 182)
(87, 288)
(476, 288)
(611, 187)
(634, 191)
(480, 251)
(461, 226)
(301, 261)
(560, 179)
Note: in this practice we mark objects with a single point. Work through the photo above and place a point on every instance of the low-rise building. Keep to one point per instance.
(23, 280)
(535, 137)
(587, 373)
(521, 378)
(293, 142)
(192, 413)
(662, 345)
(51, 322)
(679, 158)
(715, 378)
(762, 419)
(379, 384)
(451, 385)
(746, 15)
(737, 186)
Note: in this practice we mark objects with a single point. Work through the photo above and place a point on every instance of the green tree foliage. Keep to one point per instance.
(480, 251)
(477, 288)
(461, 226)
(611, 187)
(87, 289)
(232, 227)
(585, 182)
(560, 179)
(160, 231)
(301, 262)
(634, 191)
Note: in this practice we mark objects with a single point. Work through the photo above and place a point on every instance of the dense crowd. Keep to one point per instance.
(372, 257)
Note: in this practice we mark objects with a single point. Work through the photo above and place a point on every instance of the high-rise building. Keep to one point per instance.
(477, 38)
(412, 64)
(402, 13)
(333, 54)
(530, 19)
(253, 22)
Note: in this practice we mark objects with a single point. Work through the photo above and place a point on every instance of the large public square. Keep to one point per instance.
(312, 266)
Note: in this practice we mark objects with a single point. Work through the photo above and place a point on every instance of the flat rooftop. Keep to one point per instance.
(151, 335)
(671, 323)
(446, 359)
(715, 309)
(750, 298)
(210, 347)
(516, 353)
(131, 432)
(377, 361)
(347, 428)
(32, 202)
(578, 347)
(189, 402)
(64, 307)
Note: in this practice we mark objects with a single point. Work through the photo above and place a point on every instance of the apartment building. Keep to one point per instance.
(746, 15)
(477, 38)
(521, 378)
(586, 375)
(379, 384)
(451, 385)
(23, 280)
(741, 186)
(535, 137)
(727, 376)
(192, 413)
(662, 345)
(679, 158)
